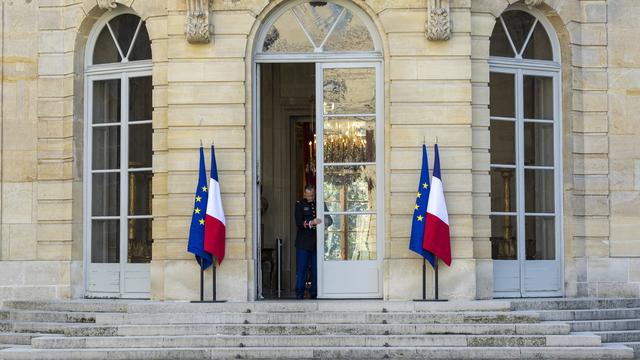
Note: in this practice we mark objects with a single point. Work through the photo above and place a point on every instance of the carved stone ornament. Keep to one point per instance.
(438, 27)
(198, 23)
(533, 3)
(107, 4)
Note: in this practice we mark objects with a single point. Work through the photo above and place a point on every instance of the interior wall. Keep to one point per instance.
(287, 93)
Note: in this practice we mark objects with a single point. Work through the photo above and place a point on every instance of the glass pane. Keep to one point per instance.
(105, 152)
(140, 193)
(539, 191)
(106, 101)
(349, 140)
(350, 237)
(349, 91)
(139, 236)
(286, 36)
(539, 46)
(502, 99)
(519, 23)
(140, 150)
(105, 194)
(538, 97)
(349, 35)
(124, 27)
(350, 188)
(105, 241)
(504, 245)
(105, 50)
(540, 236)
(503, 142)
(140, 106)
(142, 47)
(503, 190)
(538, 144)
(499, 42)
(317, 18)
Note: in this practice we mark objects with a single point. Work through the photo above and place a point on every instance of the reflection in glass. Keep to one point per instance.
(349, 35)
(503, 189)
(140, 149)
(538, 144)
(286, 35)
(538, 97)
(499, 42)
(142, 47)
(503, 142)
(539, 46)
(106, 101)
(105, 197)
(140, 106)
(519, 23)
(349, 140)
(351, 237)
(540, 237)
(139, 235)
(539, 191)
(140, 193)
(318, 18)
(350, 188)
(105, 50)
(105, 241)
(124, 27)
(503, 237)
(502, 95)
(349, 91)
(105, 151)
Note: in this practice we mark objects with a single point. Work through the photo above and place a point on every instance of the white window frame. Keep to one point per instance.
(122, 71)
(519, 67)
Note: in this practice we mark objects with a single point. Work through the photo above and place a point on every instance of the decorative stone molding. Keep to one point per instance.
(107, 4)
(533, 3)
(438, 27)
(198, 23)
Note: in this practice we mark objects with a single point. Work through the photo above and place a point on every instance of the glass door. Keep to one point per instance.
(350, 174)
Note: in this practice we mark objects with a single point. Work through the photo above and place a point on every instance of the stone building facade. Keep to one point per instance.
(206, 89)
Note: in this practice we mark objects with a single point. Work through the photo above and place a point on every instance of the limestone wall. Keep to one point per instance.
(432, 89)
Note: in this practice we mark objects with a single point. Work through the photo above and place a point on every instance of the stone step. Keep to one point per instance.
(62, 342)
(607, 352)
(38, 327)
(49, 316)
(546, 328)
(18, 338)
(623, 336)
(324, 317)
(634, 345)
(605, 325)
(574, 304)
(590, 314)
(68, 306)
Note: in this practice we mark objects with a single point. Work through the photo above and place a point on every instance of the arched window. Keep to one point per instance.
(118, 153)
(525, 155)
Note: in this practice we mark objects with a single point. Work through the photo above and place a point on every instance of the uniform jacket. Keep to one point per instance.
(306, 235)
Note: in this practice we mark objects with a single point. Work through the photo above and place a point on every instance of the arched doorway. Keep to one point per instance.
(318, 100)
(118, 153)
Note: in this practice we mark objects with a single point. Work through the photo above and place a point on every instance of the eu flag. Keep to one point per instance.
(420, 211)
(196, 232)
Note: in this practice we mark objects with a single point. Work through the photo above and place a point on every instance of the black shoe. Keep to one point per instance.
(299, 297)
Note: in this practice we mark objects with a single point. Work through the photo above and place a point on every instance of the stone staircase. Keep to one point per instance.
(616, 321)
(293, 330)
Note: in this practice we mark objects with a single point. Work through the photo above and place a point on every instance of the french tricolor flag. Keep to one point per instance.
(436, 232)
(214, 222)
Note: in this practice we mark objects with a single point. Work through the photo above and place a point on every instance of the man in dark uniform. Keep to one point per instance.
(306, 222)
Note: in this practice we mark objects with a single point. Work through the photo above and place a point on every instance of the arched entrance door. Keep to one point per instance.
(337, 46)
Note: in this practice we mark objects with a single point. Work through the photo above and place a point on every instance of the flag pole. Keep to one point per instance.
(201, 284)
(424, 279)
(436, 280)
(213, 280)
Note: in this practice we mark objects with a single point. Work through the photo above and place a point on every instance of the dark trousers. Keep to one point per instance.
(303, 259)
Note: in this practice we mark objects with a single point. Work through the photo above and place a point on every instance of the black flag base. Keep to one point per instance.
(213, 283)
(424, 283)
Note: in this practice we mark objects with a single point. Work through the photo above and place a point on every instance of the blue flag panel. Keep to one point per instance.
(196, 232)
(420, 211)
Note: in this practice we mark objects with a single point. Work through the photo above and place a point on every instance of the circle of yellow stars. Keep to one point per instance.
(420, 217)
(197, 210)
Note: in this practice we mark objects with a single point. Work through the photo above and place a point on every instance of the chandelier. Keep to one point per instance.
(344, 142)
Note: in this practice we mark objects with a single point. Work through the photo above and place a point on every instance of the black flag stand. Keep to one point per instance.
(424, 282)
(213, 286)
